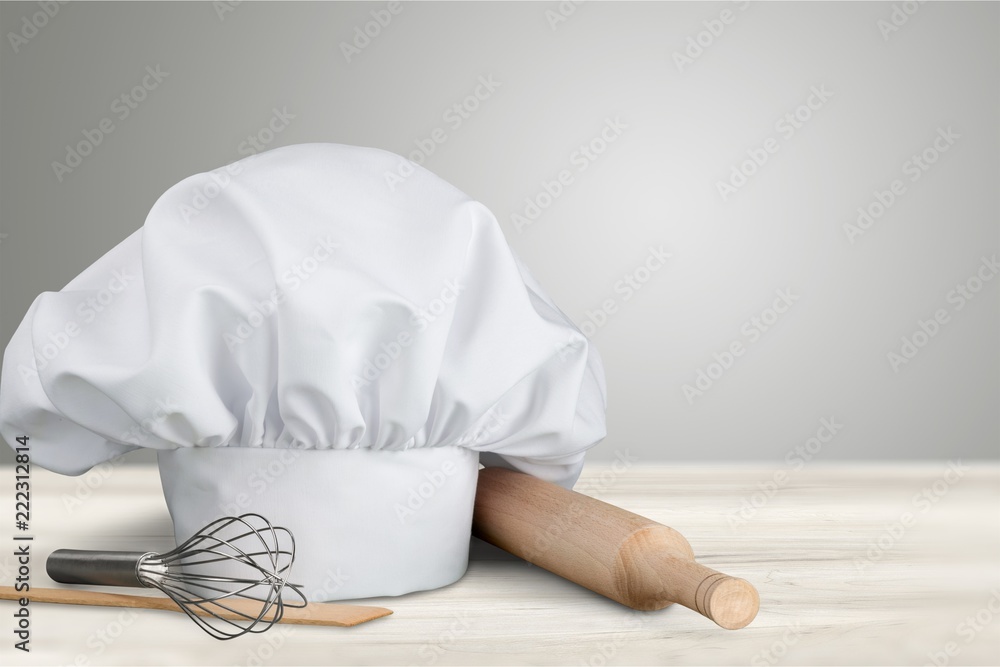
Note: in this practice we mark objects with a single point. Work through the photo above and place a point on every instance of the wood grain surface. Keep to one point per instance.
(855, 564)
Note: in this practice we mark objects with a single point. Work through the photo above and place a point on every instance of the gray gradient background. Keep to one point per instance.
(654, 186)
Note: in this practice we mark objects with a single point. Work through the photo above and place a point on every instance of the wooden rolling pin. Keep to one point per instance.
(628, 558)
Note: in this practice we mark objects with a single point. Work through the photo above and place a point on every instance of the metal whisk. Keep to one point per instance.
(230, 560)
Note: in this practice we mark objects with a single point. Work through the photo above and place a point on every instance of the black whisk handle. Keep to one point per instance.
(99, 568)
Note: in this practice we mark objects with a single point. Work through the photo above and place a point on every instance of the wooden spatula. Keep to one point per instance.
(315, 613)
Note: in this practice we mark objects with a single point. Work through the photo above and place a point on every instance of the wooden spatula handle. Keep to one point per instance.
(315, 613)
(92, 598)
(628, 558)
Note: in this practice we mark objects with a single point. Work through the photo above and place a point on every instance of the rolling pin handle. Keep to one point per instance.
(656, 577)
(729, 601)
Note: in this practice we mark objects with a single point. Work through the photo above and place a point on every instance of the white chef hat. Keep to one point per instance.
(327, 335)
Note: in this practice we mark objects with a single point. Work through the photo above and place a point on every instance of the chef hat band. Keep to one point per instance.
(377, 523)
(297, 335)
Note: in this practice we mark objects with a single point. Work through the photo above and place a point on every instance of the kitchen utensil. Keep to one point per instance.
(232, 559)
(628, 558)
(314, 613)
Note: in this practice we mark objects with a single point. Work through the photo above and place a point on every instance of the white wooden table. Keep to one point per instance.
(845, 577)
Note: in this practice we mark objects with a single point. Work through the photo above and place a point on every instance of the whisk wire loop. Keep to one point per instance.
(213, 567)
